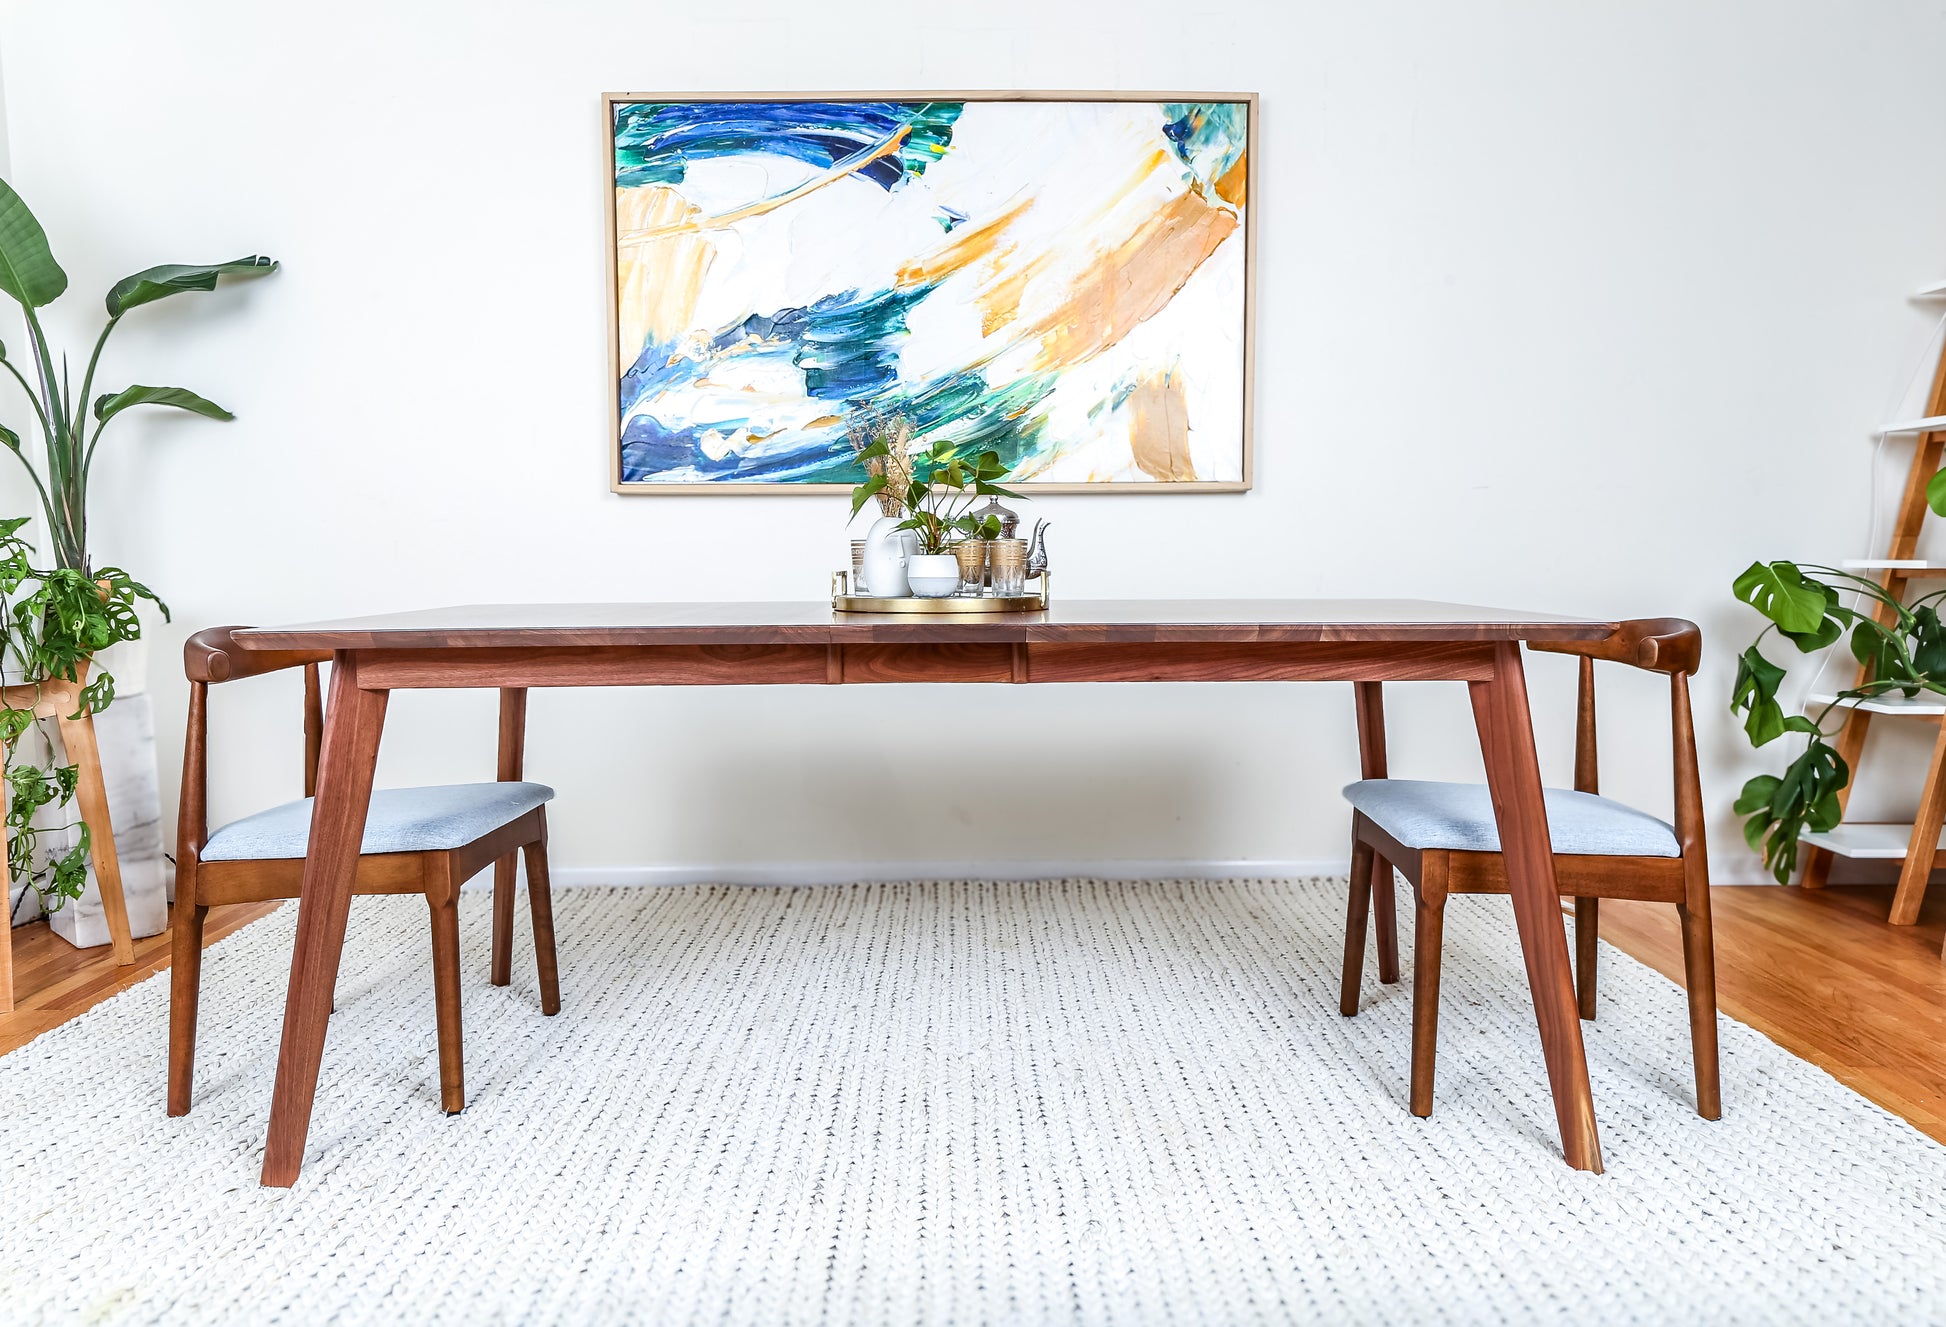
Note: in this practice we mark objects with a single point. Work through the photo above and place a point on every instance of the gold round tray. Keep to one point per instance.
(952, 605)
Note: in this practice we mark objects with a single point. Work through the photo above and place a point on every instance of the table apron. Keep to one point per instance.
(980, 661)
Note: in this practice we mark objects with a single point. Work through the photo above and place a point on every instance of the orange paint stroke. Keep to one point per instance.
(657, 283)
(1127, 284)
(962, 248)
(1158, 428)
(1000, 301)
(1232, 184)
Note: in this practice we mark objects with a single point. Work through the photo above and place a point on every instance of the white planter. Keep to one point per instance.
(125, 734)
(933, 575)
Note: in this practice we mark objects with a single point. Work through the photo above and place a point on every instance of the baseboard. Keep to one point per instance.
(845, 873)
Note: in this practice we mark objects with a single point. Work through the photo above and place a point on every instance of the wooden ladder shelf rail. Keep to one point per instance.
(61, 701)
(1922, 851)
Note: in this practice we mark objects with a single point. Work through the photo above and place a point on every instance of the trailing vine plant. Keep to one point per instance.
(1904, 653)
(53, 622)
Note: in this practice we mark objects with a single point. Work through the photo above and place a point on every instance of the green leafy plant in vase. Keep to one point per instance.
(71, 610)
(941, 487)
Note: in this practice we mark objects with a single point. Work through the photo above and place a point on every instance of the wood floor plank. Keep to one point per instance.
(54, 981)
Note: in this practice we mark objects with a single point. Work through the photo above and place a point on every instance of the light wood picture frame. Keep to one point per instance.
(1066, 277)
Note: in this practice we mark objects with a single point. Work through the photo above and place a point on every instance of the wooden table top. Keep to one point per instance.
(811, 622)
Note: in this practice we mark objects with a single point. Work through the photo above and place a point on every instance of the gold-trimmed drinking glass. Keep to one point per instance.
(972, 555)
(1007, 566)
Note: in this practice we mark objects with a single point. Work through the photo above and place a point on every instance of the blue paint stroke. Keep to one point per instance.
(845, 347)
(960, 408)
(1208, 136)
(656, 141)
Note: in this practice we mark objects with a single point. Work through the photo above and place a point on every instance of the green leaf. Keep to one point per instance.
(1809, 642)
(9, 438)
(1936, 493)
(28, 271)
(1781, 593)
(156, 283)
(1757, 680)
(1928, 642)
(865, 492)
(107, 407)
(1756, 794)
(1754, 695)
(1765, 722)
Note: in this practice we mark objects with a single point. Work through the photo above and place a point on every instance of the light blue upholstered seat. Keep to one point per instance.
(1459, 817)
(400, 820)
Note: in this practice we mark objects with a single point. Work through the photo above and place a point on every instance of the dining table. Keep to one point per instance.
(810, 643)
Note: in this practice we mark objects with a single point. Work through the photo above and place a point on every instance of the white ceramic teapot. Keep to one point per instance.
(888, 550)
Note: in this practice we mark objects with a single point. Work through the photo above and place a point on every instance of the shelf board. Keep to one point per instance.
(1911, 568)
(1930, 424)
(1875, 842)
(1925, 705)
(1933, 292)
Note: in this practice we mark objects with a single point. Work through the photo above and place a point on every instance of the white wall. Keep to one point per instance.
(1562, 306)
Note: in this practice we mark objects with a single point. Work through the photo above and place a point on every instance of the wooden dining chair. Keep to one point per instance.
(1444, 839)
(417, 841)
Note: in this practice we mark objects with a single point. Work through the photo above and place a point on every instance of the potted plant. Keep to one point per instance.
(940, 488)
(76, 609)
(1905, 645)
(52, 621)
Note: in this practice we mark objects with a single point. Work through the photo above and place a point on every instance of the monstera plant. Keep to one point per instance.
(1902, 645)
(74, 609)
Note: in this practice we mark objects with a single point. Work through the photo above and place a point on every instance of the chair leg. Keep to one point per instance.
(503, 921)
(185, 993)
(1386, 920)
(1699, 972)
(1358, 913)
(1587, 934)
(540, 900)
(445, 981)
(1429, 919)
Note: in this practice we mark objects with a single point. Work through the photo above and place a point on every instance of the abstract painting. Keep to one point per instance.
(1061, 278)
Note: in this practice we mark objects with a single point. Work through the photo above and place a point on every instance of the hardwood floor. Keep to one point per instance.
(1821, 973)
(1818, 971)
(54, 981)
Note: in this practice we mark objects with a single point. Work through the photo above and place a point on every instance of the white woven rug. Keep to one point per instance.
(1060, 1102)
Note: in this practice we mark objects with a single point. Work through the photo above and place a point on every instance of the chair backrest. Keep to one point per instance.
(212, 656)
(1669, 645)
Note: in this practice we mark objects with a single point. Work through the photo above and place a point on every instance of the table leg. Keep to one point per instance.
(1371, 765)
(1514, 778)
(353, 723)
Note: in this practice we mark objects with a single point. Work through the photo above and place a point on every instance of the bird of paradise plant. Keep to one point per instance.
(75, 609)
